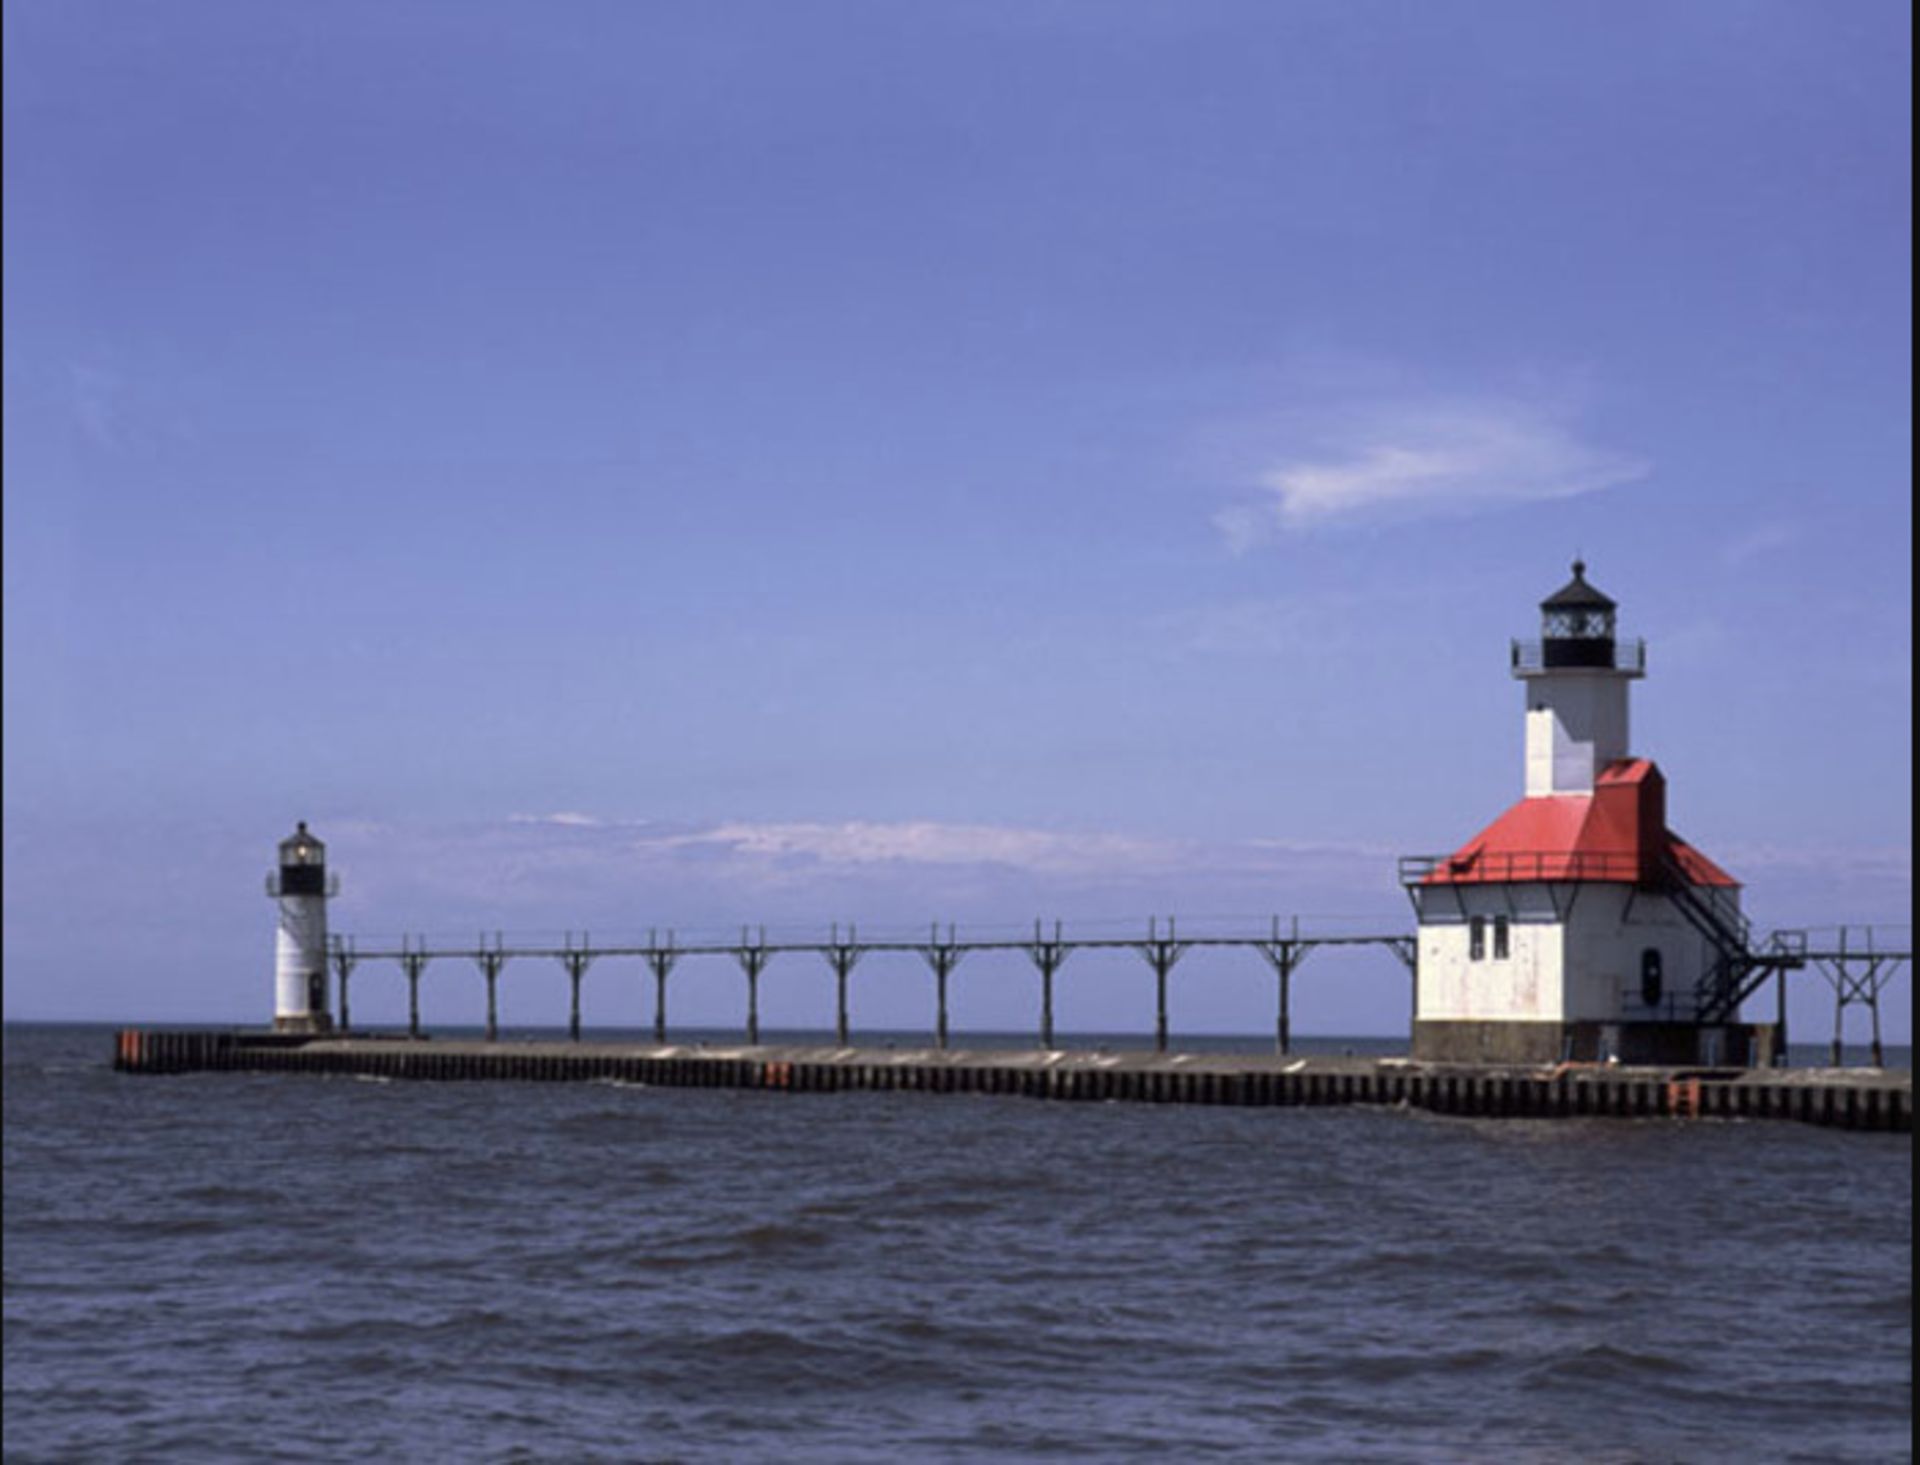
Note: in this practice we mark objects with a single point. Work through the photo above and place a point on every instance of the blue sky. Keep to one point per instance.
(610, 465)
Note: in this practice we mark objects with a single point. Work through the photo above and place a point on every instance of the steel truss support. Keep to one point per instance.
(576, 959)
(1161, 953)
(413, 961)
(661, 960)
(1047, 956)
(841, 956)
(1284, 954)
(943, 957)
(344, 961)
(490, 960)
(753, 957)
(1858, 975)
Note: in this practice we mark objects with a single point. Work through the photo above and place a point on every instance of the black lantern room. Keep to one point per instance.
(303, 863)
(1576, 624)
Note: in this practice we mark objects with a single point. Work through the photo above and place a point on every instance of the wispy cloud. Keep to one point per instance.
(1420, 460)
(1264, 627)
(922, 843)
(1758, 540)
(861, 844)
(605, 873)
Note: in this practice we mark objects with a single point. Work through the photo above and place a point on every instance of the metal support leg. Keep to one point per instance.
(1780, 1019)
(661, 959)
(1283, 955)
(842, 955)
(1858, 969)
(1047, 956)
(1873, 1010)
(344, 962)
(753, 960)
(942, 956)
(413, 963)
(576, 960)
(1838, 1052)
(491, 960)
(1161, 953)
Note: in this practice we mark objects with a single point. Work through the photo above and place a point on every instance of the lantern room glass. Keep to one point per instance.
(1578, 623)
(301, 848)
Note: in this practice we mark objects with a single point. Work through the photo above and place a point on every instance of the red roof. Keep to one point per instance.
(1616, 833)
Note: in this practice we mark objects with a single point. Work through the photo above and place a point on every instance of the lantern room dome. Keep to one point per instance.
(1577, 594)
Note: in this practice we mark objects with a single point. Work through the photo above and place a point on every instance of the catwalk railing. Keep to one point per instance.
(1162, 944)
(1497, 867)
(1607, 655)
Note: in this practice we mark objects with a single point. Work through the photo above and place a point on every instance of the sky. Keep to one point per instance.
(615, 466)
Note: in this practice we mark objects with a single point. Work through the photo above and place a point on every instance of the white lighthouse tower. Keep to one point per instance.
(1577, 925)
(1576, 684)
(302, 888)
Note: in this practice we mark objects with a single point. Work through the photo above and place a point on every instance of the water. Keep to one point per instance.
(250, 1267)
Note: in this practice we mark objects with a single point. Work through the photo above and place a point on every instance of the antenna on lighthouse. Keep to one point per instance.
(302, 888)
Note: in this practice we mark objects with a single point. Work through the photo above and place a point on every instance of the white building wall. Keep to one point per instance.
(1609, 929)
(1525, 986)
(1576, 725)
(1584, 967)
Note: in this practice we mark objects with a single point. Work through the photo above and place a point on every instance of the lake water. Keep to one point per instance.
(251, 1267)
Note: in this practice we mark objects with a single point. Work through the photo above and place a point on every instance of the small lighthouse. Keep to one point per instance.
(301, 888)
(1577, 925)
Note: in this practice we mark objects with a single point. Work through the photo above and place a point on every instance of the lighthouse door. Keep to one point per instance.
(1652, 979)
(316, 991)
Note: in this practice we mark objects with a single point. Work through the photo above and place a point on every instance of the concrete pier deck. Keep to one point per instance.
(1849, 1098)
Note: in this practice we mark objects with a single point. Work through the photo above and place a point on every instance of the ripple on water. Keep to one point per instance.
(201, 1269)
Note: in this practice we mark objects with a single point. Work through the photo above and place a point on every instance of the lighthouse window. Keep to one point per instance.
(1500, 948)
(1477, 938)
(1652, 980)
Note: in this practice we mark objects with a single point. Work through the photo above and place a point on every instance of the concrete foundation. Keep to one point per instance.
(1739, 1045)
(311, 1023)
(1842, 1098)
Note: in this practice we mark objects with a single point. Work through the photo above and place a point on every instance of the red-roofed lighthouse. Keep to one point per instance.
(1577, 925)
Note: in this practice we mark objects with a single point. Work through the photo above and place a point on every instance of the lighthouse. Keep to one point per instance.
(1577, 925)
(301, 888)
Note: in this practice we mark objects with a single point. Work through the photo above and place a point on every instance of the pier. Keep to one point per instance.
(1854, 1099)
